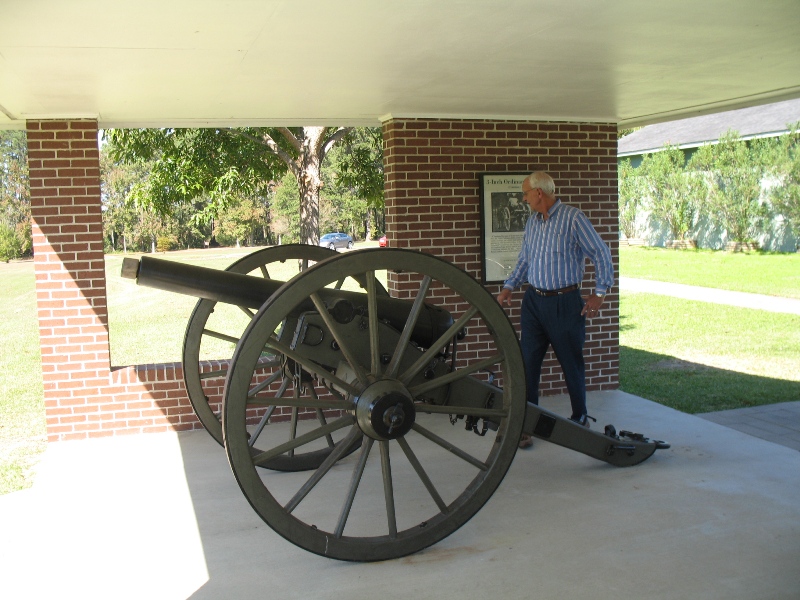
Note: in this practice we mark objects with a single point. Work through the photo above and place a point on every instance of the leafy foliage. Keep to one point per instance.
(786, 195)
(630, 194)
(15, 200)
(672, 193)
(190, 164)
(231, 176)
(734, 171)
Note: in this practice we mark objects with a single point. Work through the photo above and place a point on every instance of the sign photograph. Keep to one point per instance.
(503, 216)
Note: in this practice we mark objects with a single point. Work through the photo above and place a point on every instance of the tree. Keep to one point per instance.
(358, 161)
(15, 200)
(630, 198)
(733, 171)
(244, 220)
(286, 210)
(117, 181)
(671, 192)
(785, 194)
(219, 163)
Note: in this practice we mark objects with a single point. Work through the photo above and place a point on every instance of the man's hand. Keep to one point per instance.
(504, 297)
(592, 306)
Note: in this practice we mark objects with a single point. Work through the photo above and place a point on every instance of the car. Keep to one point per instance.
(382, 241)
(334, 241)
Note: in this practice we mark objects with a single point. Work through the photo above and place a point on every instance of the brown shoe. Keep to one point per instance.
(525, 441)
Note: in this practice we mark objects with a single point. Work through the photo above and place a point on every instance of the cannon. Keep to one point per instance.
(329, 365)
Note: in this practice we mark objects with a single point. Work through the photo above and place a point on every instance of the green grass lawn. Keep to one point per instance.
(22, 423)
(700, 357)
(756, 272)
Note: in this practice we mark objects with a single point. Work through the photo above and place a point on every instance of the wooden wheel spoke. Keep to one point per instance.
(358, 471)
(344, 345)
(261, 424)
(321, 416)
(411, 321)
(424, 358)
(293, 428)
(301, 440)
(267, 382)
(372, 312)
(213, 374)
(388, 489)
(326, 465)
(426, 481)
(301, 402)
(268, 415)
(247, 311)
(317, 370)
(449, 447)
(221, 336)
(455, 375)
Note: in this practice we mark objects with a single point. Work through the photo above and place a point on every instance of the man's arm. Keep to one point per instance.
(598, 252)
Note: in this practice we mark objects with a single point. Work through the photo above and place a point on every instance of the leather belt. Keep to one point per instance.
(564, 290)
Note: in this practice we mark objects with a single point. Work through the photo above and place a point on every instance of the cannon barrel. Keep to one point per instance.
(253, 292)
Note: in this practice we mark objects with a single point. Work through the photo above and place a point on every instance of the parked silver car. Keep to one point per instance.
(334, 241)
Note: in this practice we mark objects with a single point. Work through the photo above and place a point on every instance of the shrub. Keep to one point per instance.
(671, 192)
(630, 198)
(165, 243)
(734, 170)
(11, 245)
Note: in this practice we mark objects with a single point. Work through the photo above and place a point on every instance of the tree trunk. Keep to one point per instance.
(309, 206)
(309, 181)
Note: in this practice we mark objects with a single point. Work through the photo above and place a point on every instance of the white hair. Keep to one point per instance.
(543, 181)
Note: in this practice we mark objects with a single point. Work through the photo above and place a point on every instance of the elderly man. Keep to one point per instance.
(558, 238)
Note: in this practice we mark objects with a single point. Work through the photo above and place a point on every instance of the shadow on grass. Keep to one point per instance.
(695, 388)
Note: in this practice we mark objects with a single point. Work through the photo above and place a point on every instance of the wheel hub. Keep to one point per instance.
(385, 410)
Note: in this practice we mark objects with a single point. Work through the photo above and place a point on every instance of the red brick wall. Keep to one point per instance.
(432, 201)
(83, 396)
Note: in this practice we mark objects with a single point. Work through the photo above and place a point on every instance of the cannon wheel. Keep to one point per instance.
(258, 263)
(427, 479)
(503, 218)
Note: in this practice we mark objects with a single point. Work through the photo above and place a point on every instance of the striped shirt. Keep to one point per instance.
(554, 251)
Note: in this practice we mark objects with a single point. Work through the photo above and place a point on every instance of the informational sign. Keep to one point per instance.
(503, 216)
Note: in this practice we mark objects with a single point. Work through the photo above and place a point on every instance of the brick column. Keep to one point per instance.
(432, 202)
(70, 275)
(83, 396)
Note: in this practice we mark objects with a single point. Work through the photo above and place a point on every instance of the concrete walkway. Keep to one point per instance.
(160, 516)
(704, 294)
(777, 423)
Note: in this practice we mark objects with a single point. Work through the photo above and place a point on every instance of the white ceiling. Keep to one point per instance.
(355, 62)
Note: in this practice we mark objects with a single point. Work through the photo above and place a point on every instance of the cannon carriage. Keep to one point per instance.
(400, 416)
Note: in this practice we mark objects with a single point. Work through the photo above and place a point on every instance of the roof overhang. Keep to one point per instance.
(189, 63)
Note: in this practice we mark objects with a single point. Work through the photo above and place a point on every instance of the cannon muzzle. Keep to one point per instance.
(253, 292)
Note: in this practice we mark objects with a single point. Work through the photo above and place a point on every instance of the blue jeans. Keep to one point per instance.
(555, 321)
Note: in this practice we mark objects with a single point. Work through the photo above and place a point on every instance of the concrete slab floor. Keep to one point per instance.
(161, 516)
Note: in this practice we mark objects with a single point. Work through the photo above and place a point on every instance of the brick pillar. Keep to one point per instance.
(83, 396)
(70, 272)
(431, 168)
